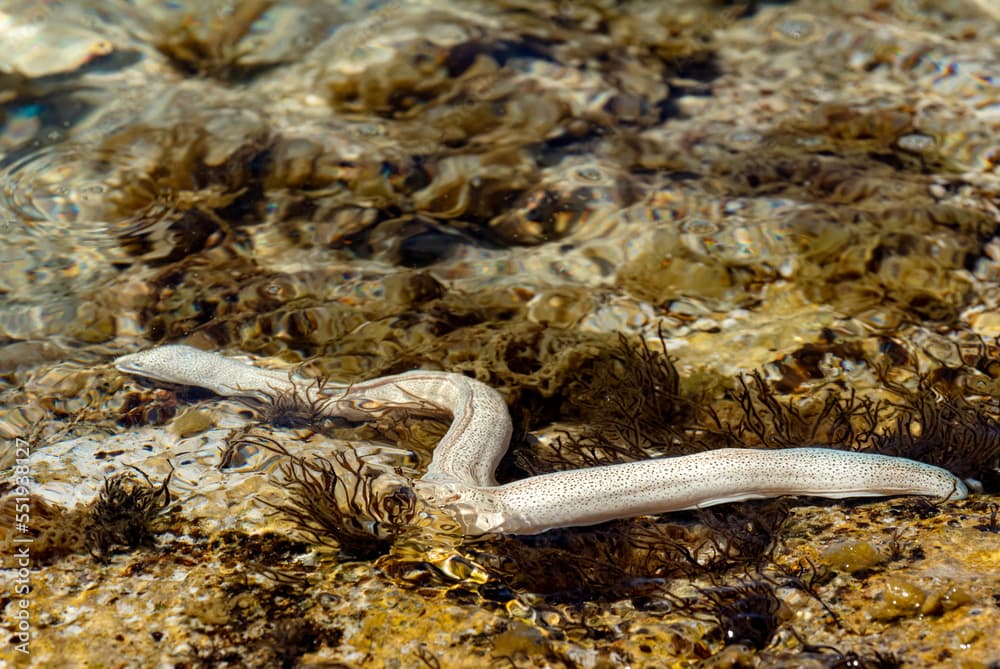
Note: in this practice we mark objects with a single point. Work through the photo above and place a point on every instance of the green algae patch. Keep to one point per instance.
(852, 557)
(897, 598)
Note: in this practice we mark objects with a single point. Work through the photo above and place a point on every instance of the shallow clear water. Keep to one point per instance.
(496, 188)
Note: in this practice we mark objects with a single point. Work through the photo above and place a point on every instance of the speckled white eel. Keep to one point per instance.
(460, 476)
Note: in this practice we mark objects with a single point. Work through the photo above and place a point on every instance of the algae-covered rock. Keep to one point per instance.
(655, 228)
(852, 557)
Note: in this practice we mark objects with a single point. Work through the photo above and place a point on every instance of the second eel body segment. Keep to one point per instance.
(460, 478)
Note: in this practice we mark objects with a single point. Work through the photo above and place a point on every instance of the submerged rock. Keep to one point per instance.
(655, 228)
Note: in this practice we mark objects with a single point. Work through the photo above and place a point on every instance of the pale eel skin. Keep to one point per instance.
(460, 478)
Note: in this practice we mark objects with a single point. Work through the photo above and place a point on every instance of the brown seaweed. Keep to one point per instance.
(123, 513)
(334, 501)
(746, 613)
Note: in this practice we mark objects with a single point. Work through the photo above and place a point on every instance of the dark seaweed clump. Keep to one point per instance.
(291, 638)
(287, 408)
(747, 613)
(124, 515)
(765, 420)
(633, 559)
(632, 397)
(124, 511)
(631, 406)
(744, 534)
(147, 408)
(335, 501)
(837, 659)
(947, 416)
(937, 423)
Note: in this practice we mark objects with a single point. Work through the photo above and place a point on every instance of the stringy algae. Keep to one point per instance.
(655, 229)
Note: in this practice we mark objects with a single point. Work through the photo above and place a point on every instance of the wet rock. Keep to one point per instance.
(898, 598)
(852, 556)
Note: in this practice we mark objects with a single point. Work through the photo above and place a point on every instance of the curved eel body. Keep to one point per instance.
(460, 478)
